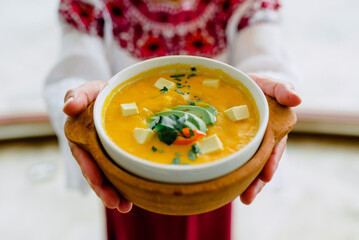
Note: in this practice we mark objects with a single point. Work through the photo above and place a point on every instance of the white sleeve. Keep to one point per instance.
(258, 48)
(82, 59)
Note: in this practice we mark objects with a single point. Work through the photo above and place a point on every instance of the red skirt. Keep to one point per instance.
(140, 224)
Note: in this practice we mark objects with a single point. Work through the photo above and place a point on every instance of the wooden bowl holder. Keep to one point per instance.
(181, 199)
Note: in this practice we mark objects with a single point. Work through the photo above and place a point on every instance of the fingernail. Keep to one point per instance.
(70, 99)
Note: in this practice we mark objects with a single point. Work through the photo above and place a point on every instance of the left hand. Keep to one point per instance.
(284, 93)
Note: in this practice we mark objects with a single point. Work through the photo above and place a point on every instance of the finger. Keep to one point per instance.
(105, 191)
(251, 192)
(89, 168)
(109, 196)
(77, 99)
(282, 91)
(124, 206)
(272, 164)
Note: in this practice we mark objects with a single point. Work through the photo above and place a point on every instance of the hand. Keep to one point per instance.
(284, 93)
(76, 101)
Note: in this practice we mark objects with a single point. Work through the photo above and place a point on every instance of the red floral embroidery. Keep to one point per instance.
(271, 4)
(116, 9)
(84, 11)
(197, 44)
(153, 47)
(259, 5)
(82, 16)
(147, 28)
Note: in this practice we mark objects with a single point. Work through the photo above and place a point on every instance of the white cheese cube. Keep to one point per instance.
(210, 144)
(162, 82)
(129, 109)
(237, 113)
(143, 135)
(211, 83)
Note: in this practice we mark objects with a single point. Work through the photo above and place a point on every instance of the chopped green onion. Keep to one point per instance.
(164, 90)
(179, 91)
(193, 69)
(194, 152)
(176, 161)
(191, 75)
(154, 149)
(177, 154)
(177, 75)
(179, 85)
(192, 103)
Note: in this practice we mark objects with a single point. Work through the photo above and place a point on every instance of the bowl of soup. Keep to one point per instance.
(180, 119)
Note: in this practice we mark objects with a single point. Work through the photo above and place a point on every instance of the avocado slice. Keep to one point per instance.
(199, 123)
(186, 124)
(208, 107)
(190, 125)
(200, 112)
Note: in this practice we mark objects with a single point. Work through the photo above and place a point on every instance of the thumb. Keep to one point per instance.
(282, 91)
(77, 99)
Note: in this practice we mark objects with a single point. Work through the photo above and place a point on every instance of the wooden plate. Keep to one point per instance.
(181, 199)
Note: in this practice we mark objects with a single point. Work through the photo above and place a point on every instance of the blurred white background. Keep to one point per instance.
(315, 193)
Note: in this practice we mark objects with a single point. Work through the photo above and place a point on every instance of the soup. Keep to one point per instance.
(180, 114)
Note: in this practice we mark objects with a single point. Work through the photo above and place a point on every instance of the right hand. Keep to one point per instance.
(76, 101)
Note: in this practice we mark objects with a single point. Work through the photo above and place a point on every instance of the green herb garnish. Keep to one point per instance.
(160, 151)
(168, 127)
(193, 69)
(177, 154)
(164, 90)
(194, 152)
(191, 103)
(179, 91)
(176, 161)
(178, 79)
(177, 75)
(191, 133)
(198, 100)
(179, 85)
(154, 149)
(191, 75)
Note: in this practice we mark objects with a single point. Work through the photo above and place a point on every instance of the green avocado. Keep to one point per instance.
(192, 119)
(190, 125)
(186, 124)
(200, 112)
(208, 107)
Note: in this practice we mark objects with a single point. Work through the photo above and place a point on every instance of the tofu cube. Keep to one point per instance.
(237, 113)
(162, 82)
(129, 109)
(143, 135)
(210, 144)
(211, 83)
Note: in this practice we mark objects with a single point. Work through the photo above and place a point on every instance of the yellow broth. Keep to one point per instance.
(140, 89)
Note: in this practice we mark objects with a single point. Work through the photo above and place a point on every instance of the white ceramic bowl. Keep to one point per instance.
(180, 173)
